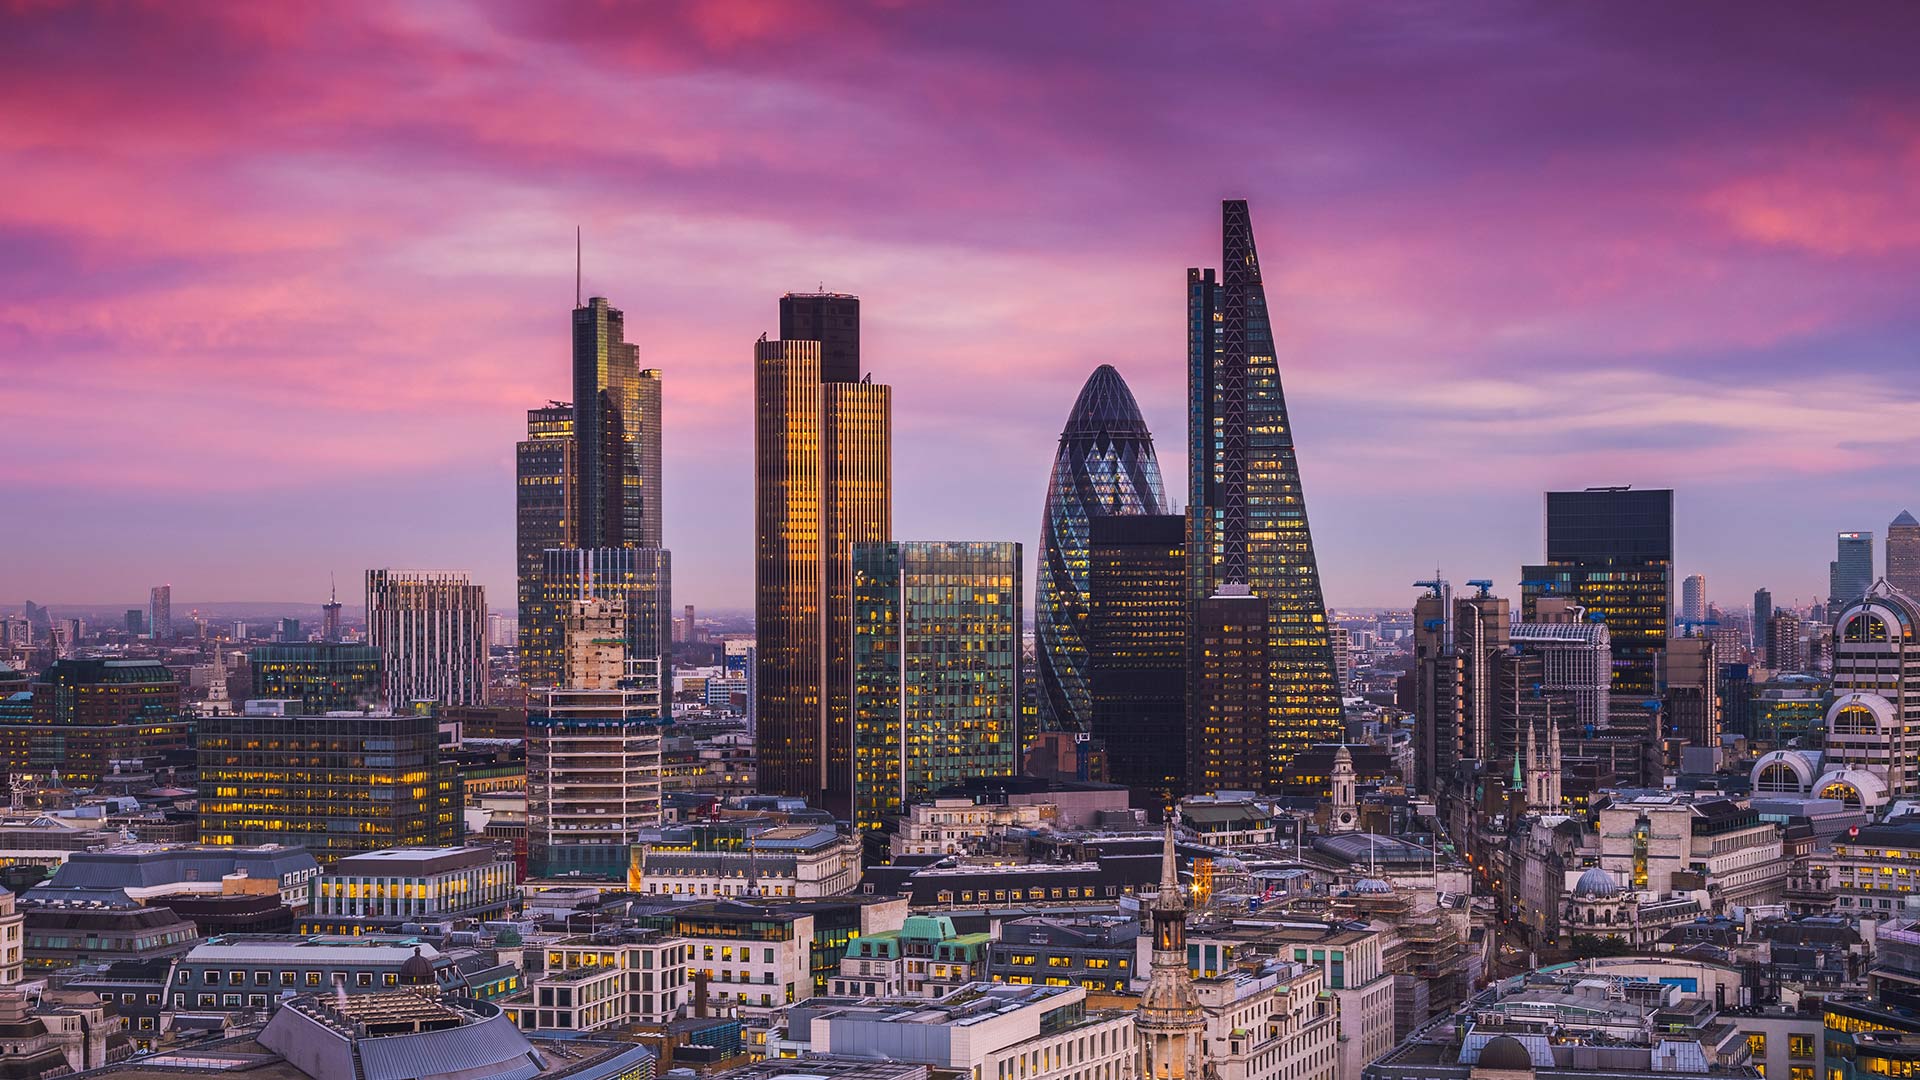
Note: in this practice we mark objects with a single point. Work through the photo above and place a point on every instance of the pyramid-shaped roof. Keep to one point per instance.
(1905, 518)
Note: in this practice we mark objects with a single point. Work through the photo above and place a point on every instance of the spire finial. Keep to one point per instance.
(1169, 866)
(576, 266)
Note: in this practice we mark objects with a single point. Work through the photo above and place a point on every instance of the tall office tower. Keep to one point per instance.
(822, 483)
(616, 428)
(1247, 518)
(1576, 653)
(1342, 639)
(936, 670)
(1693, 599)
(639, 579)
(1785, 648)
(1136, 637)
(323, 678)
(1105, 466)
(1693, 691)
(160, 613)
(86, 716)
(330, 617)
(1229, 738)
(545, 464)
(1903, 554)
(593, 749)
(1851, 572)
(833, 320)
(1874, 719)
(272, 776)
(1762, 615)
(431, 629)
(290, 631)
(1611, 551)
(136, 622)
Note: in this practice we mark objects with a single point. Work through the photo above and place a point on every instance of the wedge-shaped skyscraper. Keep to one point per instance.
(1247, 516)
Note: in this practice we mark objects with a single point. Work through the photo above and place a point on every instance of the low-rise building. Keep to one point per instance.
(606, 981)
(236, 973)
(757, 959)
(1096, 952)
(926, 957)
(957, 826)
(98, 926)
(146, 871)
(381, 890)
(703, 862)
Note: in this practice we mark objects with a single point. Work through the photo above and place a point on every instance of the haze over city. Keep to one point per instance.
(277, 285)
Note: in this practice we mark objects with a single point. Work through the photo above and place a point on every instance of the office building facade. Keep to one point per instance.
(1611, 551)
(1693, 599)
(1903, 554)
(322, 678)
(544, 514)
(1228, 733)
(822, 483)
(1762, 614)
(1105, 466)
(89, 718)
(1851, 571)
(936, 669)
(1137, 652)
(337, 785)
(1247, 515)
(616, 430)
(430, 627)
(1874, 719)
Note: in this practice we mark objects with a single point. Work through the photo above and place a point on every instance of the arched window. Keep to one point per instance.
(1865, 628)
(1843, 791)
(1779, 778)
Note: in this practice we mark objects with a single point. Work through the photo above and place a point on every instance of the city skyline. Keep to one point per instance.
(316, 287)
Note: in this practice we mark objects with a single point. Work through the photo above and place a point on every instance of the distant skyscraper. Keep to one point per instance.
(1786, 651)
(330, 616)
(160, 613)
(1611, 551)
(1105, 466)
(1136, 636)
(593, 749)
(1762, 614)
(1851, 572)
(290, 630)
(136, 621)
(936, 670)
(637, 578)
(1247, 519)
(431, 629)
(822, 483)
(1903, 554)
(1693, 599)
(1693, 690)
(545, 464)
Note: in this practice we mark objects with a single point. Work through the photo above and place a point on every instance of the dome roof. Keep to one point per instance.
(1106, 406)
(1505, 1051)
(1595, 884)
(416, 970)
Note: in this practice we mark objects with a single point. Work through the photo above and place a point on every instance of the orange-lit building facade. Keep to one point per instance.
(87, 715)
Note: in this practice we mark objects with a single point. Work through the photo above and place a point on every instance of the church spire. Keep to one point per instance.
(1170, 1026)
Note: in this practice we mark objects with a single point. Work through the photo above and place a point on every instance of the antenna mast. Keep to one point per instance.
(576, 266)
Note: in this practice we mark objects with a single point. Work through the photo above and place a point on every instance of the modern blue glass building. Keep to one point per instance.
(1105, 467)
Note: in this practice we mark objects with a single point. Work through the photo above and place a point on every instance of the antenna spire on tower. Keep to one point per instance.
(576, 266)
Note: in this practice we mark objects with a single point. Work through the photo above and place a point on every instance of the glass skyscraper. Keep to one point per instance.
(1903, 554)
(1850, 574)
(323, 678)
(1247, 515)
(544, 466)
(1105, 467)
(823, 482)
(1611, 550)
(616, 408)
(936, 669)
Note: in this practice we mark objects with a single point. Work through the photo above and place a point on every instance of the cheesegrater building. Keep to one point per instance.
(1105, 466)
(1247, 515)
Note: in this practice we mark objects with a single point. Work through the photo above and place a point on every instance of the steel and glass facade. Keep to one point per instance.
(617, 426)
(1851, 572)
(822, 483)
(544, 515)
(1105, 466)
(1903, 554)
(1611, 551)
(1136, 646)
(1247, 515)
(336, 785)
(936, 669)
(83, 715)
(322, 678)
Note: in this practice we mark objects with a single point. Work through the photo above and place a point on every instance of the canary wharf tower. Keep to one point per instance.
(1105, 466)
(1247, 516)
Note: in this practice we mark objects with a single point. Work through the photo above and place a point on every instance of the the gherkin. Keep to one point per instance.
(1105, 466)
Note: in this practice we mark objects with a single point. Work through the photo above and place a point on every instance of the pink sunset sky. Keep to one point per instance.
(278, 282)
